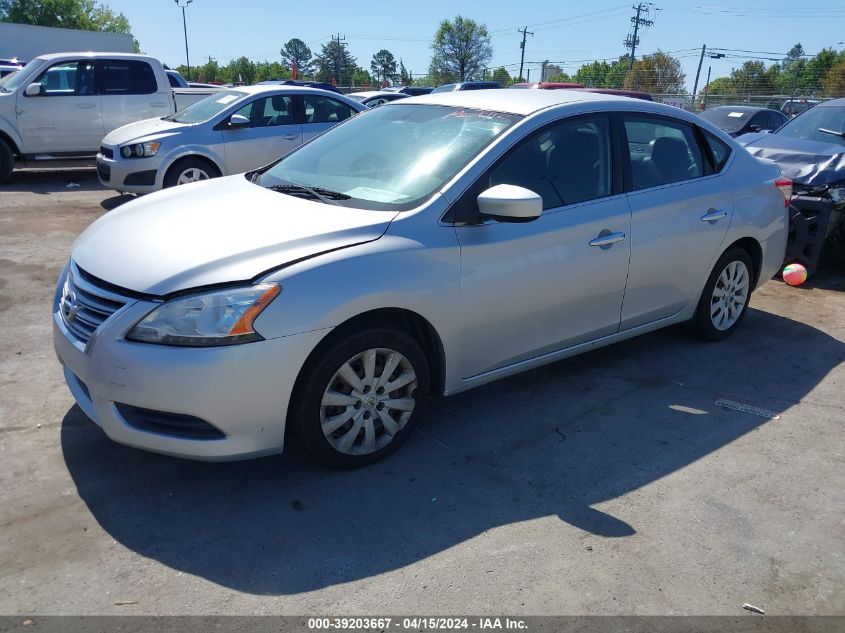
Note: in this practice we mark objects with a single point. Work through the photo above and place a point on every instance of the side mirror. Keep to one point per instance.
(509, 203)
(755, 128)
(33, 90)
(238, 121)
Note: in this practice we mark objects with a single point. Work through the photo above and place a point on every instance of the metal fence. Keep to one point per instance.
(703, 101)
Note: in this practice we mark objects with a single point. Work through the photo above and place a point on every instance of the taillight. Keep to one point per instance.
(785, 186)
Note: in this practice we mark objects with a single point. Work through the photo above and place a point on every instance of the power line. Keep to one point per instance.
(632, 40)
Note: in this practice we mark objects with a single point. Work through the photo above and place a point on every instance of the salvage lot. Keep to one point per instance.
(607, 483)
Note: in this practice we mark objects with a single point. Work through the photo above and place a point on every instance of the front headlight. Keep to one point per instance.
(223, 317)
(140, 150)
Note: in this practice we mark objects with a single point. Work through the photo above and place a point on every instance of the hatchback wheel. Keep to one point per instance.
(189, 170)
(725, 298)
(361, 398)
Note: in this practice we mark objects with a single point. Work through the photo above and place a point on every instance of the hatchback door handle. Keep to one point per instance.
(607, 240)
(291, 137)
(714, 214)
(85, 106)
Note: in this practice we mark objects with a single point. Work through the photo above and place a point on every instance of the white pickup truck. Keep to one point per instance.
(58, 107)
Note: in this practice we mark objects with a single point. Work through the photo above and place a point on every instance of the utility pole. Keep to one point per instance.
(706, 89)
(632, 40)
(698, 72)
(524, 32)
(185, 29)
(543, 70)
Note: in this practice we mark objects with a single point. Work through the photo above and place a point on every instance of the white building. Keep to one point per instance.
(25, 41)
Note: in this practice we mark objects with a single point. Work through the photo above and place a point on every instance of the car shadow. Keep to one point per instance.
(558, 440)
(50, 181)
(115, 201)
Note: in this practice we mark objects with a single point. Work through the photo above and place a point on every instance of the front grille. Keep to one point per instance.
(173, 424)
(104, 171)
(84, 305)
(105, 151)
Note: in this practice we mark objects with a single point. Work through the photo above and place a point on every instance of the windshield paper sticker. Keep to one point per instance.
(376, 195)
(736, 115)
(227, 99)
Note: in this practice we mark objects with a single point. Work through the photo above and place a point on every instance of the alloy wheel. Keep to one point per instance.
(729, 295)
(192, 174)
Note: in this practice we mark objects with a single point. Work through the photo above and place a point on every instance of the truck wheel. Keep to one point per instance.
(7, 161)
(188, 170)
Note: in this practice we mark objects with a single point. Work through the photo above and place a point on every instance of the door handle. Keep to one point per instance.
(85, 106)
(714, 214)
(607, 240)
(291, 137)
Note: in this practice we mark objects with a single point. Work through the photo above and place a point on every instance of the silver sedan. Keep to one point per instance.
(229, 132)
(418, 250)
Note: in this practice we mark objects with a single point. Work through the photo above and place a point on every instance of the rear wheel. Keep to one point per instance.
(188, 170)
(725, 298)
(7, 161)
(360, 400)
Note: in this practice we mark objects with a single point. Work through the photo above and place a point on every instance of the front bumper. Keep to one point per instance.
(132, 175)
(242, 390)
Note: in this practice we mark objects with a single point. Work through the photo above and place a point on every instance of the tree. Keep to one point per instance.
(383, 65)
(658, 73)
(834, 81)
(461, 50)
(404, 75)
(603, 75)
(335, 63)
(297, 52)
(85, 15)
(502, 76)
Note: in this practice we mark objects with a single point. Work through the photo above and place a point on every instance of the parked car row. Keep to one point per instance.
(420, 249)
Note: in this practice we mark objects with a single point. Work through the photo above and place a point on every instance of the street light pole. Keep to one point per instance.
(185, 29)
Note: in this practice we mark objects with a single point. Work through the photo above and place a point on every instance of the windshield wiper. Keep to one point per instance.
(326, 196)
(834, 132)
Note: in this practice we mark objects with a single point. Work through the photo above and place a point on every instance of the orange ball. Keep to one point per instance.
(794, 274)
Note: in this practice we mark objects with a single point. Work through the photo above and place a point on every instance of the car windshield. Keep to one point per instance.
(825, 124)
(390, 158)
(10, 82)
(211, 106)
(727, 119)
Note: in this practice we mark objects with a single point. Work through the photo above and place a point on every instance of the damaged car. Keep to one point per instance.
(810, 150)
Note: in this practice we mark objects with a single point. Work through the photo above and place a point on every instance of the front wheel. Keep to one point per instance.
(725, 298)
(7, 161)
(360, 399)
(188, 170)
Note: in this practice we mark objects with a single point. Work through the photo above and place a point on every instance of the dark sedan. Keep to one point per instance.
(737, 120)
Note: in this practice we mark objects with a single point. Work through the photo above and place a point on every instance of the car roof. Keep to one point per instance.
(832, 102)
(370, 93)
(522, 102)
(51, 56)
(739, 108)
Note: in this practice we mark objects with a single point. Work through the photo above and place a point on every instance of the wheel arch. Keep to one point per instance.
(193, 156)
(754, 250)
(7, 138)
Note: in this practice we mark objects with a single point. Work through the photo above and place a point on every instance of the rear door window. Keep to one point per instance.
(662, 151)
(127, 77)
(325, 110)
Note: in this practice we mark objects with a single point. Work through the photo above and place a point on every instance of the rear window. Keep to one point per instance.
(127, 77)
(727, 119)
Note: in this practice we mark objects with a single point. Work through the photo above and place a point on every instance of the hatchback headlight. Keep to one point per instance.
(223, 317)
(140, 150)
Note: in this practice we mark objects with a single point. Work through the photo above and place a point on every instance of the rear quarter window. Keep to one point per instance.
(720, 152)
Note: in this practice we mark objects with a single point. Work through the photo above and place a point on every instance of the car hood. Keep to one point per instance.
(140, 129)
(805, 162)
(218, 231)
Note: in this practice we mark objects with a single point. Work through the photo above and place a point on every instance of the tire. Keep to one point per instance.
(7, 161)
(181, 169)
(725, 297)
(360, 425)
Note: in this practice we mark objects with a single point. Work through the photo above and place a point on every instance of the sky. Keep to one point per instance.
(565, 33)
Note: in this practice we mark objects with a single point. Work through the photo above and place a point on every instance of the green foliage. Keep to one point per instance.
(658, 73)
(461, 50)
(502, 76)
(834, 82)
(383, 66)
(603, 75)
(561, 78)
(404, 76)
(335, 63)
(297, 50)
